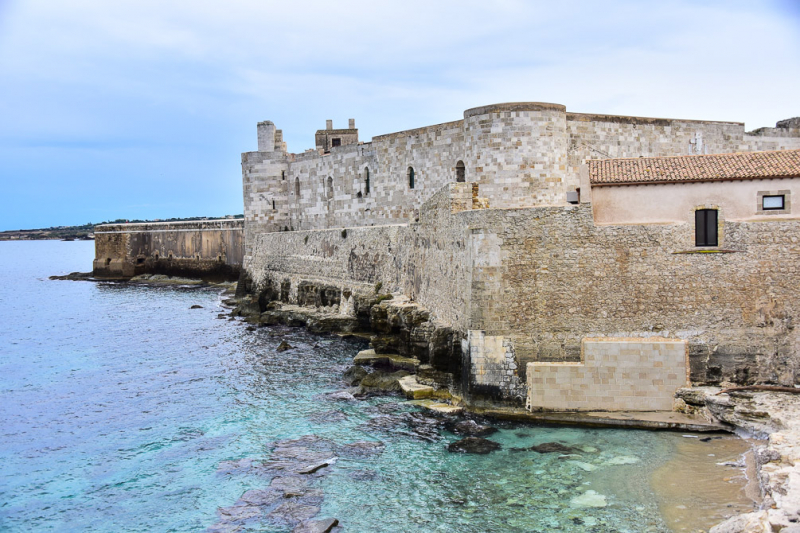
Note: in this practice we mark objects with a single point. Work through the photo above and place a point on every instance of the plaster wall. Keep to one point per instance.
(675, 203)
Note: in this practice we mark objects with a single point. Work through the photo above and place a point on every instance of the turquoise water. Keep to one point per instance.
(118, 403)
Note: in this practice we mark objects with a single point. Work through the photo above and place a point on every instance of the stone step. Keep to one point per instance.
(438, 407)
(369, 357)
(413, 390)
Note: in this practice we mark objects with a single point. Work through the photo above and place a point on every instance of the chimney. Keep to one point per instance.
(328, 124)
(352, 124)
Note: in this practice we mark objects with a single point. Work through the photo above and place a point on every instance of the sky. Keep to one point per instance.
(141, 109)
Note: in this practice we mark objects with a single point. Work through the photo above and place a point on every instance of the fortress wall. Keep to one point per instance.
(560, 278)
(772, 139)
(206, 249)
(424, 261)
(518, 153)
(608, 136)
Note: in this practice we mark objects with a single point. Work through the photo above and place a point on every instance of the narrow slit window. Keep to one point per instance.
(773, 202)
(410, 177)
(366, 182)
(705, 227)
(461, 172)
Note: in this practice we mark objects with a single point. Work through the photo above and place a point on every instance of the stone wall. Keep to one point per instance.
(613, 374)
(211, 249)
(561, 278)
(530, 284)
(521, 154)
(427, 262)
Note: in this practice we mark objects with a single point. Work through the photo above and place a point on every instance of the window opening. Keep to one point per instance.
(297, 187)
(366, 182)
(705, 227)
(273, 205)
(776, 201)
(330, 187)
(461, 172)
(283, 174)
(336, 142)
(410, 177)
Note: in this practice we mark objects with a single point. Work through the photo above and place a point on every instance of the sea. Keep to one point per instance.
(122, 408)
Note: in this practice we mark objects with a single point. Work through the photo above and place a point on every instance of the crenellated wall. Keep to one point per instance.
(208, 249)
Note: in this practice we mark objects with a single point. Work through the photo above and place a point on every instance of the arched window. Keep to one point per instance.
(366, 181)
(461, 172)
(410, 177)
(330, 187)
(297, 187)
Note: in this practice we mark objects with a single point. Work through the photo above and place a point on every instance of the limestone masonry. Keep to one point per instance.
(566, 283)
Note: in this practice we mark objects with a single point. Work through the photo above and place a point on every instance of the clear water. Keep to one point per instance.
(119, 402)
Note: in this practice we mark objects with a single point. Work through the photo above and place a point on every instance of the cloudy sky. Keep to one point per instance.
(140, 109)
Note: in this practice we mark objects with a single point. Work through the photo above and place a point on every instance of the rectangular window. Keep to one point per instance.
(336, 142)
(773, 202)
(705, 227)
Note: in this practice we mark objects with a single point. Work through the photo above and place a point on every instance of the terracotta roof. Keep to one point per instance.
(685, 168)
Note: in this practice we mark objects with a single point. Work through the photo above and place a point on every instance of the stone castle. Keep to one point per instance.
(581, 261)
(538, 258)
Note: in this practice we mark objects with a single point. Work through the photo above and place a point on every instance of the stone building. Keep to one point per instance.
(584, 261)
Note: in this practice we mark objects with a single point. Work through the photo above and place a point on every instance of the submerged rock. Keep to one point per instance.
(316, 526)
(553, 447)
(195, 306)
(623, 460)
(293, 513)
(362, 449)
(476, 445)
(470, 428)
(589, 498)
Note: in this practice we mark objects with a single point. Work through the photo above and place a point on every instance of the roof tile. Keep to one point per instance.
(676, 169)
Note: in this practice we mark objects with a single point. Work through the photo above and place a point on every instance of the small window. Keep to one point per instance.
(366, 182)
(283, 174)
(705, 227)
(336, 142)
(461, 172)
(273, 205)
(772, 202)
(410, 177)
(297, 187)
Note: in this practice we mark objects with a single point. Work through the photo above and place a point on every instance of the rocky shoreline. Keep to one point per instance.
(413, 355)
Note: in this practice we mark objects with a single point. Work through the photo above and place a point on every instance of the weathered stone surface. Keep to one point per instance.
(392, 361)
(362, 449)
(354, 375)
(283, 346)
(475, 445)
(293, 513)
(316, 526)
(413, 390)
(379, 381)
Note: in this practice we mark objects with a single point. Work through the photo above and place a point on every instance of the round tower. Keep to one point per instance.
(519, 152)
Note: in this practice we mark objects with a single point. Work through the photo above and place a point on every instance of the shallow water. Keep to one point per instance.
(118, 403)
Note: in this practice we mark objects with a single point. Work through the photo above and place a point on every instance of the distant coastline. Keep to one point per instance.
(84, 232)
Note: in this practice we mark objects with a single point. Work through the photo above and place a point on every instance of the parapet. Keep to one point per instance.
(514, 106)
(331, 138)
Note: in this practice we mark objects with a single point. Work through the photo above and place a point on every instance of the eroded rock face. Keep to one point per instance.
(476, 445)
